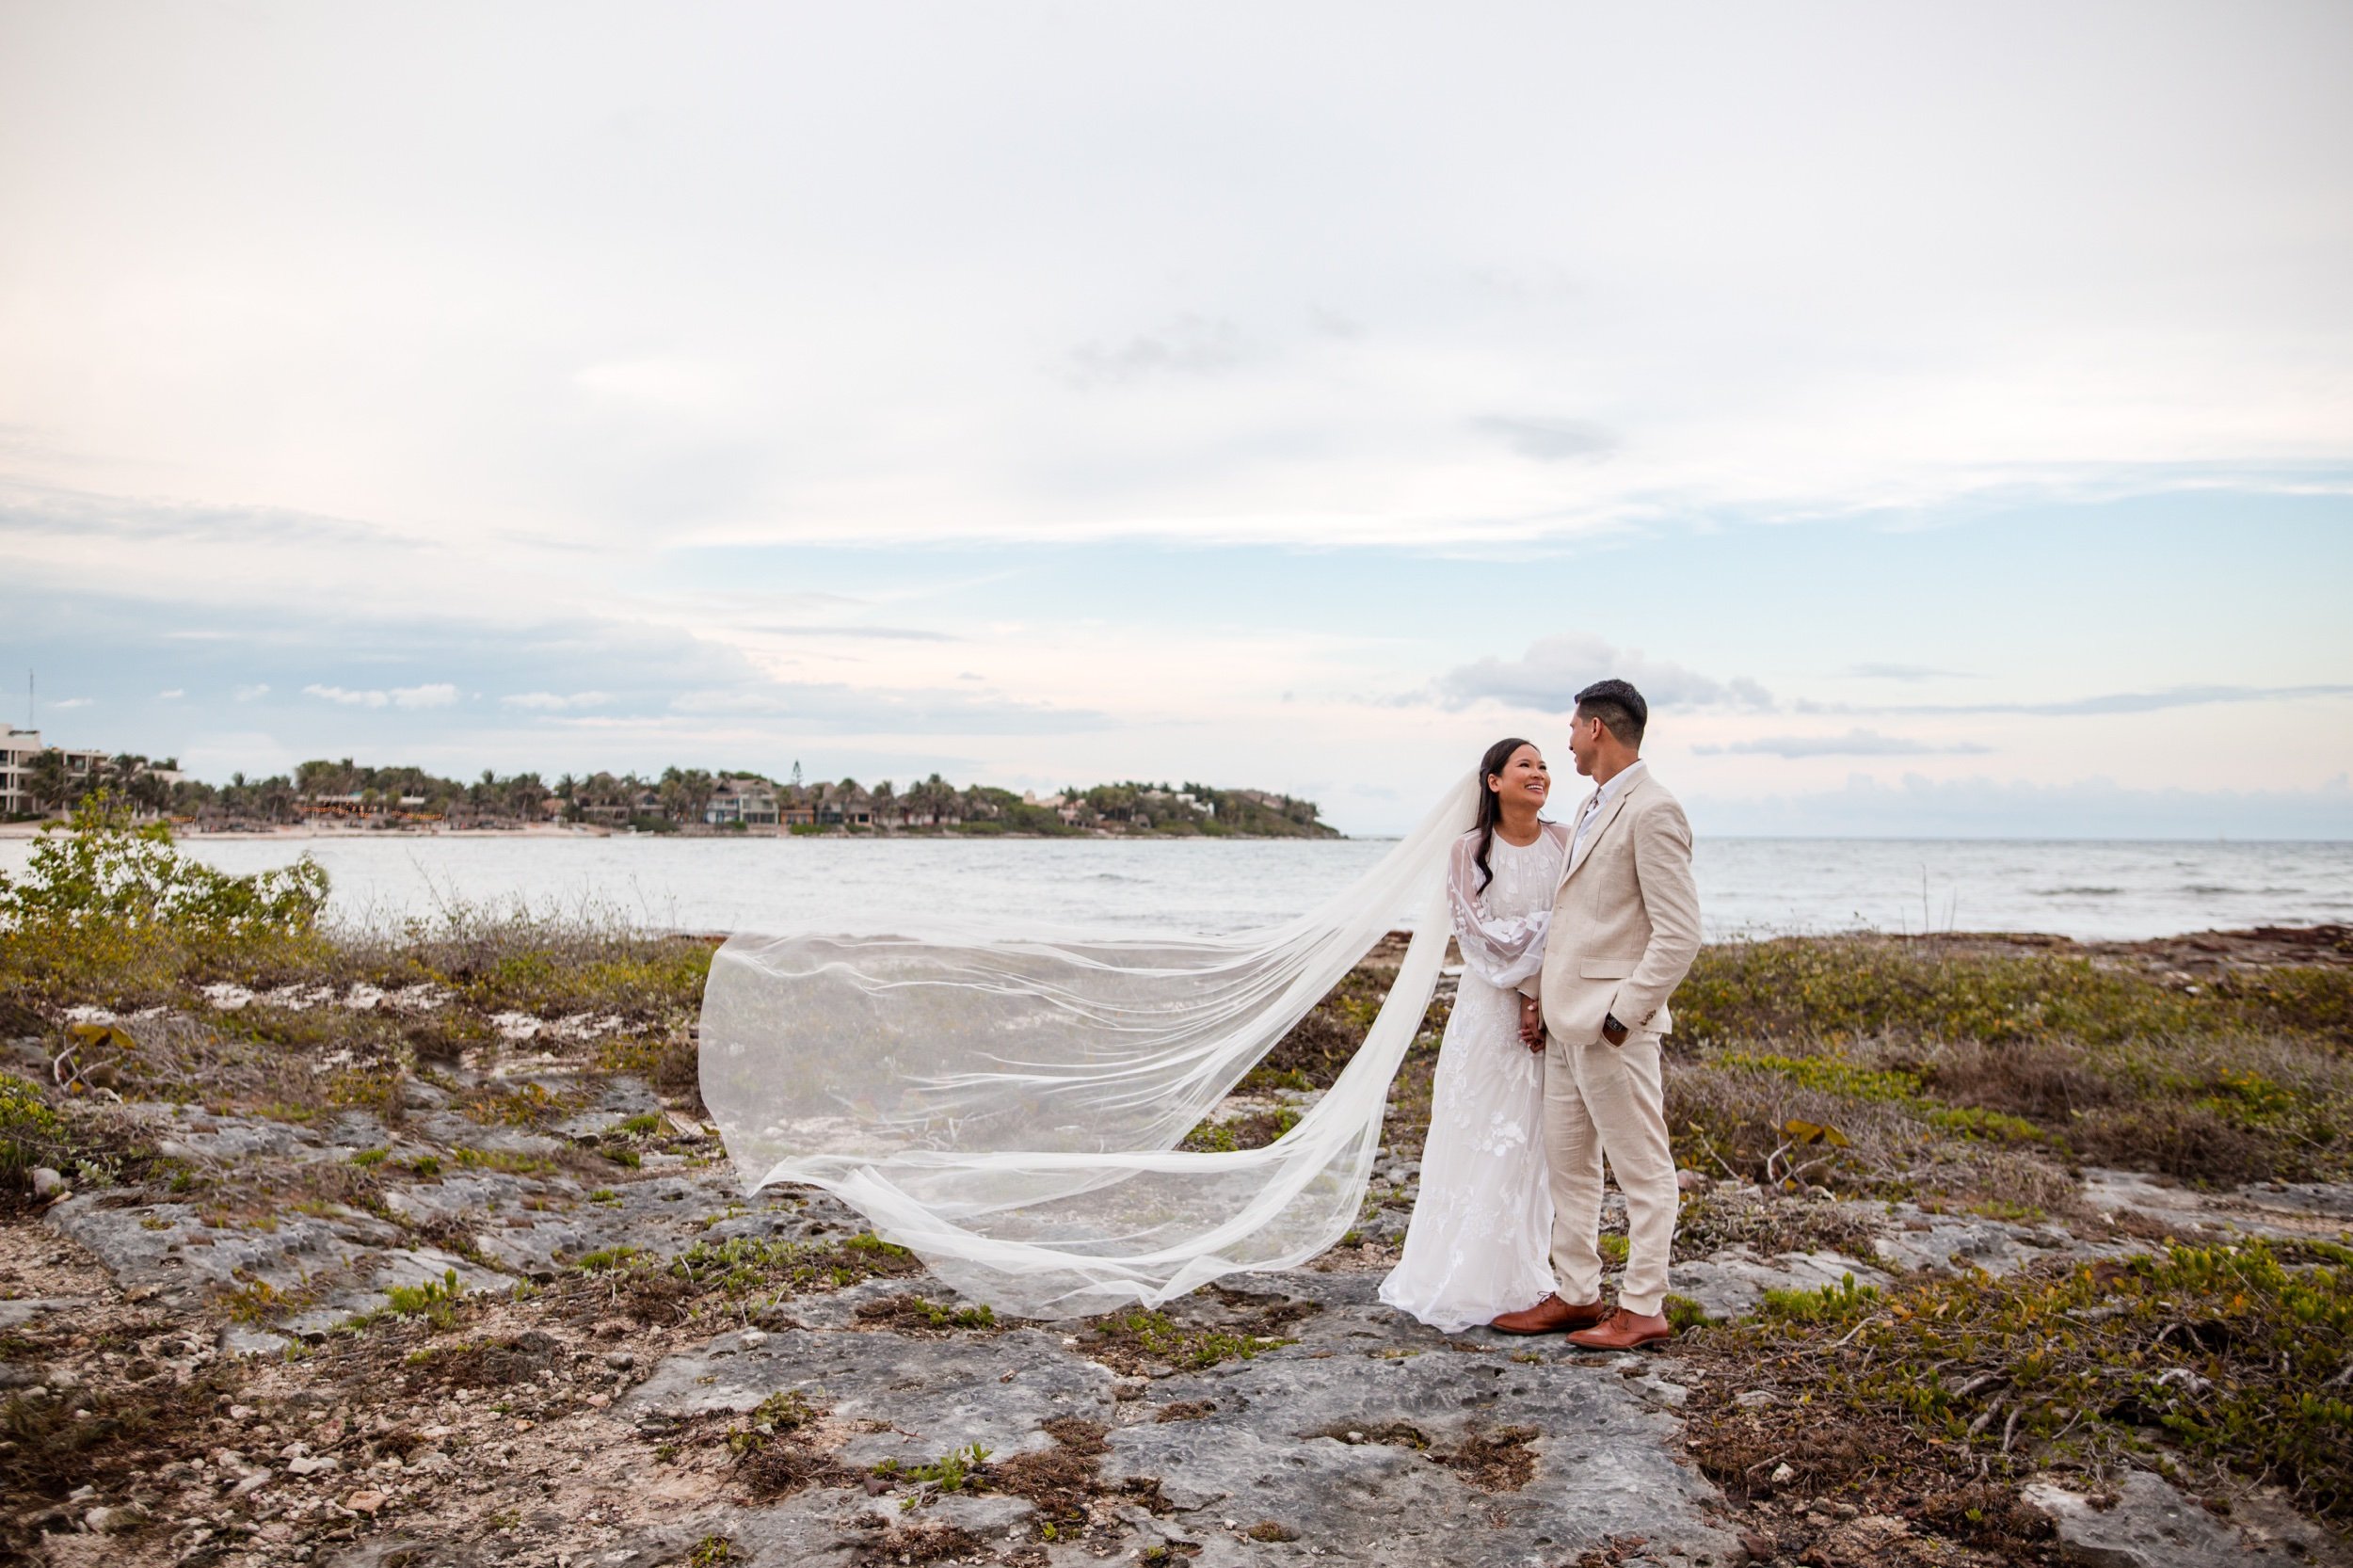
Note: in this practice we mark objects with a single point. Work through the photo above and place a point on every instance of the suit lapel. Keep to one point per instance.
(1609, 815)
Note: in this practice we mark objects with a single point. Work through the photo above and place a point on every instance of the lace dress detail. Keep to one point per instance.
(1479, 1240)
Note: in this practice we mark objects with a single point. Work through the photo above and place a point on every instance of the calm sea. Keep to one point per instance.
(2084, 889)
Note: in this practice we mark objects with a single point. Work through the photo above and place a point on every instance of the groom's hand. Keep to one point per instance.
(1531, 1023)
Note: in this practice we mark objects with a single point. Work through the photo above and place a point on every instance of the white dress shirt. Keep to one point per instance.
(1601, 798)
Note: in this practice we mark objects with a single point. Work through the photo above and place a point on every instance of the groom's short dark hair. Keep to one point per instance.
(1620, 708)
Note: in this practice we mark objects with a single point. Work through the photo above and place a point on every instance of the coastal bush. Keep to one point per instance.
(1984, 1077)
(31, 1133)
(2230, 1357)
(1838, 991)
(109, 909)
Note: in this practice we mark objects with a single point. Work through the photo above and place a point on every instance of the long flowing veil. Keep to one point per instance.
(1009, 1107)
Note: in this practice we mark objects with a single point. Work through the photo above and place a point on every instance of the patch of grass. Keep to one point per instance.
(1499, 1461)
(1137, 1338)
(712, 1551)
(606, 1257)
(2225, 1359)
(1846, 989)
(642, 1126)
(525, 1104)
(771, 1460)
(1842, 1303)
(1682, 1313)
(740, 1266)
(434, 1302)
(506, 1161)
(1255, 1130)
(31, 1134)
(916, 1313)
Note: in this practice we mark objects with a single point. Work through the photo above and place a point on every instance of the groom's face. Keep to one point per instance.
(1585, 743)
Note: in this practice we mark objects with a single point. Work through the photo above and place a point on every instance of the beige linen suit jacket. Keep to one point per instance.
(1625, 920)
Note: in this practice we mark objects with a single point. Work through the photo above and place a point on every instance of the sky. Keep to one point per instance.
(1943, 413)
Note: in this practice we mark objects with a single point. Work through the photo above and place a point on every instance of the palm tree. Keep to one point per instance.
(48, 780)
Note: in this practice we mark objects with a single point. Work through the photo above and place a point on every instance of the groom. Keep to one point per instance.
(1626, 926)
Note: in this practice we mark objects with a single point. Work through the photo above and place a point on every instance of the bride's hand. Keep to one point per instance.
(1531, 1024)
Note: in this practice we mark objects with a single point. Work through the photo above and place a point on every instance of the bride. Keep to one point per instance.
(1010, 1103)
(1476, 1244)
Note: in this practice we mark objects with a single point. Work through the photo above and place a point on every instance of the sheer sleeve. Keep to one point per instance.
(1503, 952)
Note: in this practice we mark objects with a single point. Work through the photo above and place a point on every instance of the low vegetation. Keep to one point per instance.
(2223, 1365)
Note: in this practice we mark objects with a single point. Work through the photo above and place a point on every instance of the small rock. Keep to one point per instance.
(305, 1464)
(1783, 1475)
(114, 1521)
(1754, 1398)
(1760, 1548)
(1692, 1181)
(365, 1502)
(48, 1183)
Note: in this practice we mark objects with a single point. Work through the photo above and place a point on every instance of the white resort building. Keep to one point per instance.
(18, 748)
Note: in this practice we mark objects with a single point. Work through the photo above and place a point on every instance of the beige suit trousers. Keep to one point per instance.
(1600, 1100)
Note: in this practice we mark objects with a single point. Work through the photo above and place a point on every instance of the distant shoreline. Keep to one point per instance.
(307, 832)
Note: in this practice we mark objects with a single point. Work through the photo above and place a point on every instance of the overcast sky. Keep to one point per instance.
(1943, 412)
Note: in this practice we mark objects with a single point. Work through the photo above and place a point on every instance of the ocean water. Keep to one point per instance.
(2082, 888)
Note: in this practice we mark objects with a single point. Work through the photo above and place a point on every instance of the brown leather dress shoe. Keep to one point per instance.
(1550, 1315)
(1623, 1331)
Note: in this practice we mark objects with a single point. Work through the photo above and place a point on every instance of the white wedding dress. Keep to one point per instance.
(1480, 1238)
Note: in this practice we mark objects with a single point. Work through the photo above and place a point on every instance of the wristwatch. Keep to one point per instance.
(1612, 1030)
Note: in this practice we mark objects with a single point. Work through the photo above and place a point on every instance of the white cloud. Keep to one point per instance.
(255, 693)
(439, 694)
(172, 695)
(1549, 441)
(1189, 345)
(1854, 743)
(1549, 676)
(74, 702)
(1915, 806)
(553, 702)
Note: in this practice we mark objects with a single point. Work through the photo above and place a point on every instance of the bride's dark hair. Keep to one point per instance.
(1491, 804)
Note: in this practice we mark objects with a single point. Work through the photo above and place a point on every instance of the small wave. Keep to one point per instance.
(2077, 892)
(2205, 889)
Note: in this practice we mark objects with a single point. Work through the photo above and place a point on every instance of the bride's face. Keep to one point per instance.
(1523, 779)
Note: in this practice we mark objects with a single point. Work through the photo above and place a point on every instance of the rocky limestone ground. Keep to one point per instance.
(517, 1311)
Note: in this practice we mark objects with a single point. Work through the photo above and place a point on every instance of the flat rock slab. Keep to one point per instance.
(931, 1394)
(660, 1216)
(2284, 1211)
(1273, 1447)
(1952, 1244)
(182, 1259)
(1731, 1283)
(400, 1266)
(2153, 1525)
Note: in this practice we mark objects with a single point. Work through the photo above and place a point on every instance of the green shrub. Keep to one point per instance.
(30, 1133)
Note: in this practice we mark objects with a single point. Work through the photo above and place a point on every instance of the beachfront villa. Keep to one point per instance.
(741, 799)
(19, 750)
